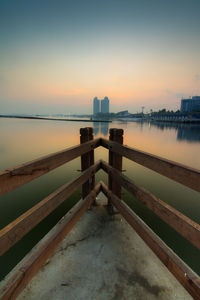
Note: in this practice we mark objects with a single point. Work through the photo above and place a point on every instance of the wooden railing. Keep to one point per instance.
(180, 270)
(18, 176)
(33, 262)
(182, 224)
(13, 178)
(185, 175)
(14, 231)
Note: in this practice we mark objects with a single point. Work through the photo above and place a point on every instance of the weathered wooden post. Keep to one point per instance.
(115, 160)
(91, 154)
(86, 134)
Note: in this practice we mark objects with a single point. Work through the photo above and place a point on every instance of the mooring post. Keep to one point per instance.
(86, 134)
(115, 160)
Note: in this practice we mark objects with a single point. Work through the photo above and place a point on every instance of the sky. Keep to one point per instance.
(56, 56)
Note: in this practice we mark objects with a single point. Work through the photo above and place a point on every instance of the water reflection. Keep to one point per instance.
(191, 133)
(185, 132)
(101, 127)
(25, 140)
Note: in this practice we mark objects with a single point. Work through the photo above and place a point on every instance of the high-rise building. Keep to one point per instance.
(96, 106)
(105, 105)
(189, 105)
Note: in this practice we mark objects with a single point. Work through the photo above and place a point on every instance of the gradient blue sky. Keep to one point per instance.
(55, 56)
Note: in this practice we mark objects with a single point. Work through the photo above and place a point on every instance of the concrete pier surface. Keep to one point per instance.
(103, 258)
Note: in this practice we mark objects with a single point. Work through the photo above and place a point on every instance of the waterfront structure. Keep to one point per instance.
(105, 105)
(123, 114)
(96, 106)
(191, 104)
(182, 117)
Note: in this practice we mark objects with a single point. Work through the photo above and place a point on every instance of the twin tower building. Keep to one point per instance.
(100, 106)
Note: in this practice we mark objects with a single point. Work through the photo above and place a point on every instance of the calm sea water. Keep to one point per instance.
(25, 140)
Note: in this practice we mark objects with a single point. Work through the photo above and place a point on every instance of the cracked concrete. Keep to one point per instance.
(103, 258)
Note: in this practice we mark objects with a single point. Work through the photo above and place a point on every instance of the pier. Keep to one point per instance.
(100, 251)
(54, 119)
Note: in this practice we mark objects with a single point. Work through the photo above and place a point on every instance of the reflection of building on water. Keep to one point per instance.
(185, 132)
(189, 133)
(100, 127)
(96, 127)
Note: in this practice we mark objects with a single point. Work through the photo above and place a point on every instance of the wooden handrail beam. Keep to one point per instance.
(177, 267)
(185, 175)
(41, 252)
(182, 224)
(18, 176)
(14, 231)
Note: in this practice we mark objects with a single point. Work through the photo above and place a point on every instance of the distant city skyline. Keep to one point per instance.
(96, 106)
(105, 105)
(101, 105)
(55, 56)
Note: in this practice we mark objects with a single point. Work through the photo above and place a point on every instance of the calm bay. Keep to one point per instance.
(25, 140)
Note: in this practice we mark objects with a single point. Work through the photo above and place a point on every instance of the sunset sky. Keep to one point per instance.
(56, 56)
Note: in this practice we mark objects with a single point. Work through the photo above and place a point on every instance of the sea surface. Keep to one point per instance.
(25, 140)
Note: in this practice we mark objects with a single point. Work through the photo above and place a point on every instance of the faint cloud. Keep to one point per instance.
(174, 94)
(2, 78)
(169, 92)
(196, 89)
(63, 92)
(4, 84)
(180, 95)
(197, 77)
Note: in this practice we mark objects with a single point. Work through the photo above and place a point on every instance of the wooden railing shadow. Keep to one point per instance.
(16, 177)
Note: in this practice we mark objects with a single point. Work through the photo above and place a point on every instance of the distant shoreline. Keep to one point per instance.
(53, 119)
(177, 121)
(189, 122)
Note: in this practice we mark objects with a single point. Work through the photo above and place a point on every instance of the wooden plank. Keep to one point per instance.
(177, 267)
(18, 176)
(14, 285)
(187, 176)
(182, 224)
(8, 289)
(14, 231)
